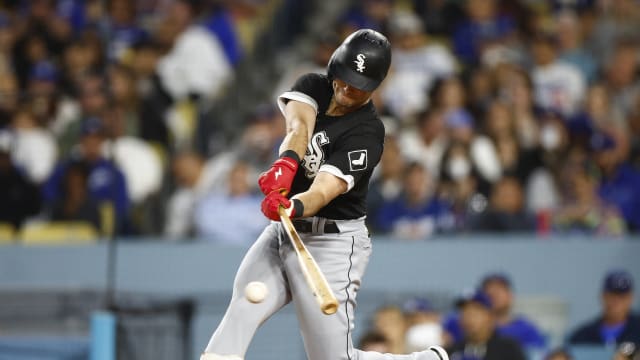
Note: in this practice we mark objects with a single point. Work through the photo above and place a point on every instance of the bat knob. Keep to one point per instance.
(330, 308)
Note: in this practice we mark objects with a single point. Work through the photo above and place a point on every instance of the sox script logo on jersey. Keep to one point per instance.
(314, 157)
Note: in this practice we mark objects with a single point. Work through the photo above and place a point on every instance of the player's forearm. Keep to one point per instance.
(324, 189)
(296, 139)
(301, 119)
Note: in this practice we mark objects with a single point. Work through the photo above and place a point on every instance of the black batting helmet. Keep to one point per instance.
(362, 60)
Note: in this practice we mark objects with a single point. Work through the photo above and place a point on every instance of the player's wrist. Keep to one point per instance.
(290, 154)
(296, 209)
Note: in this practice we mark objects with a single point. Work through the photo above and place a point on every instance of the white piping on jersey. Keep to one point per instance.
(338, 173)
(297, 96)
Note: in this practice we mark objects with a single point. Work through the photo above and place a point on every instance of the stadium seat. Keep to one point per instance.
(7, 233)
(72, 232)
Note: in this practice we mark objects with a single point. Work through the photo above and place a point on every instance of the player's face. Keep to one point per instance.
(349, 96)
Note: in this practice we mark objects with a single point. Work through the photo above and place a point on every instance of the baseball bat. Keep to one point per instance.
(312, 273)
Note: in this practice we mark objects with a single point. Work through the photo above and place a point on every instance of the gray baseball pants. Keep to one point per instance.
(342, 258)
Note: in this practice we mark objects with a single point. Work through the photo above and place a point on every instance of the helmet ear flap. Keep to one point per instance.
(362, 60)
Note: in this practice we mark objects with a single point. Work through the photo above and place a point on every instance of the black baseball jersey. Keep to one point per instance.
(347, 146)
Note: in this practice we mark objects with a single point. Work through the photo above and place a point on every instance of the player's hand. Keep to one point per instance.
(273, 201)
(280, 176)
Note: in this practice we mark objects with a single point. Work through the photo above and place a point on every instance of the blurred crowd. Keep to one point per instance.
(484, 324)
(501, 116)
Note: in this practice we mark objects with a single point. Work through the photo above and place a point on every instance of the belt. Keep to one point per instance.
(303, 226)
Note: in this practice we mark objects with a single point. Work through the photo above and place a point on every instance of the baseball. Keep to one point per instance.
(255, 291)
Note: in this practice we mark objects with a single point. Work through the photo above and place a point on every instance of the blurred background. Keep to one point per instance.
(132, 134)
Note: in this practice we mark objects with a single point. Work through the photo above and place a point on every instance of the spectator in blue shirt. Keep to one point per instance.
(620, 182)
(483, 27)
(415, 213)
(616, 324)
(220, 23)
(106, 183)
(498, 288)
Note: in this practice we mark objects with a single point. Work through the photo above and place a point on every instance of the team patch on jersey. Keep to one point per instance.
(357, 160)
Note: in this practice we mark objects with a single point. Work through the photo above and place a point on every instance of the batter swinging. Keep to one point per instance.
(334, 133)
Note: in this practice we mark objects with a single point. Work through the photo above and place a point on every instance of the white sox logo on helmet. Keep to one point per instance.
(360, 62)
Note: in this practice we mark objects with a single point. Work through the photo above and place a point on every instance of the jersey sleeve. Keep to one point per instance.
(312, 89)
(356, 154)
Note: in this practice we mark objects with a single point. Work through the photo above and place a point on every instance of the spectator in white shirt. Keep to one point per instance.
(417, 63)
(557, 85)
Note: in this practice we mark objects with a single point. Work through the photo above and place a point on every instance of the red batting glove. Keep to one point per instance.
(280, 176)
(270, 205)
(272, 202)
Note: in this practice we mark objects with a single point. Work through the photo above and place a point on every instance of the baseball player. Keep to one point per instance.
(334, 140)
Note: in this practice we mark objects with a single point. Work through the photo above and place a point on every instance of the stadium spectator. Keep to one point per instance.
(238, 205)
(597, 115)
(191, 185)
(43, 34)
(614, 20)
(417, 63)
(257, 147)
(415, 214)
(90, 101)
(583, 210)
(75, 204)
(366, 14)
(221, 24)
(124, 98)
(616, 324)
(427, 142)
(388, 182)
(499, 290)
(80, 57)
(140, 163)
(7, 39)
(195, 70)
(10, 97)
(558, 354)
(438, 17)
(621, 75)
(106, 183)
(506, 211)
(449, 96)
(558, 85)
(480, 338)
(374, 341)
(619, 181)
(634, 133)
(389, 321)
(34, 149)
(42, 91)
(460, 185)
(122, 30)
(19, 198)
(423, 325)
(500, 127)
(517, 91)
(571, 44)
(484, 27)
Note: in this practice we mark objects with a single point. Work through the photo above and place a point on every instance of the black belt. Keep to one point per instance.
(304, 226)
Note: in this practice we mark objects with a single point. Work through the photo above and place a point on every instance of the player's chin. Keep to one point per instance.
(347, 101)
